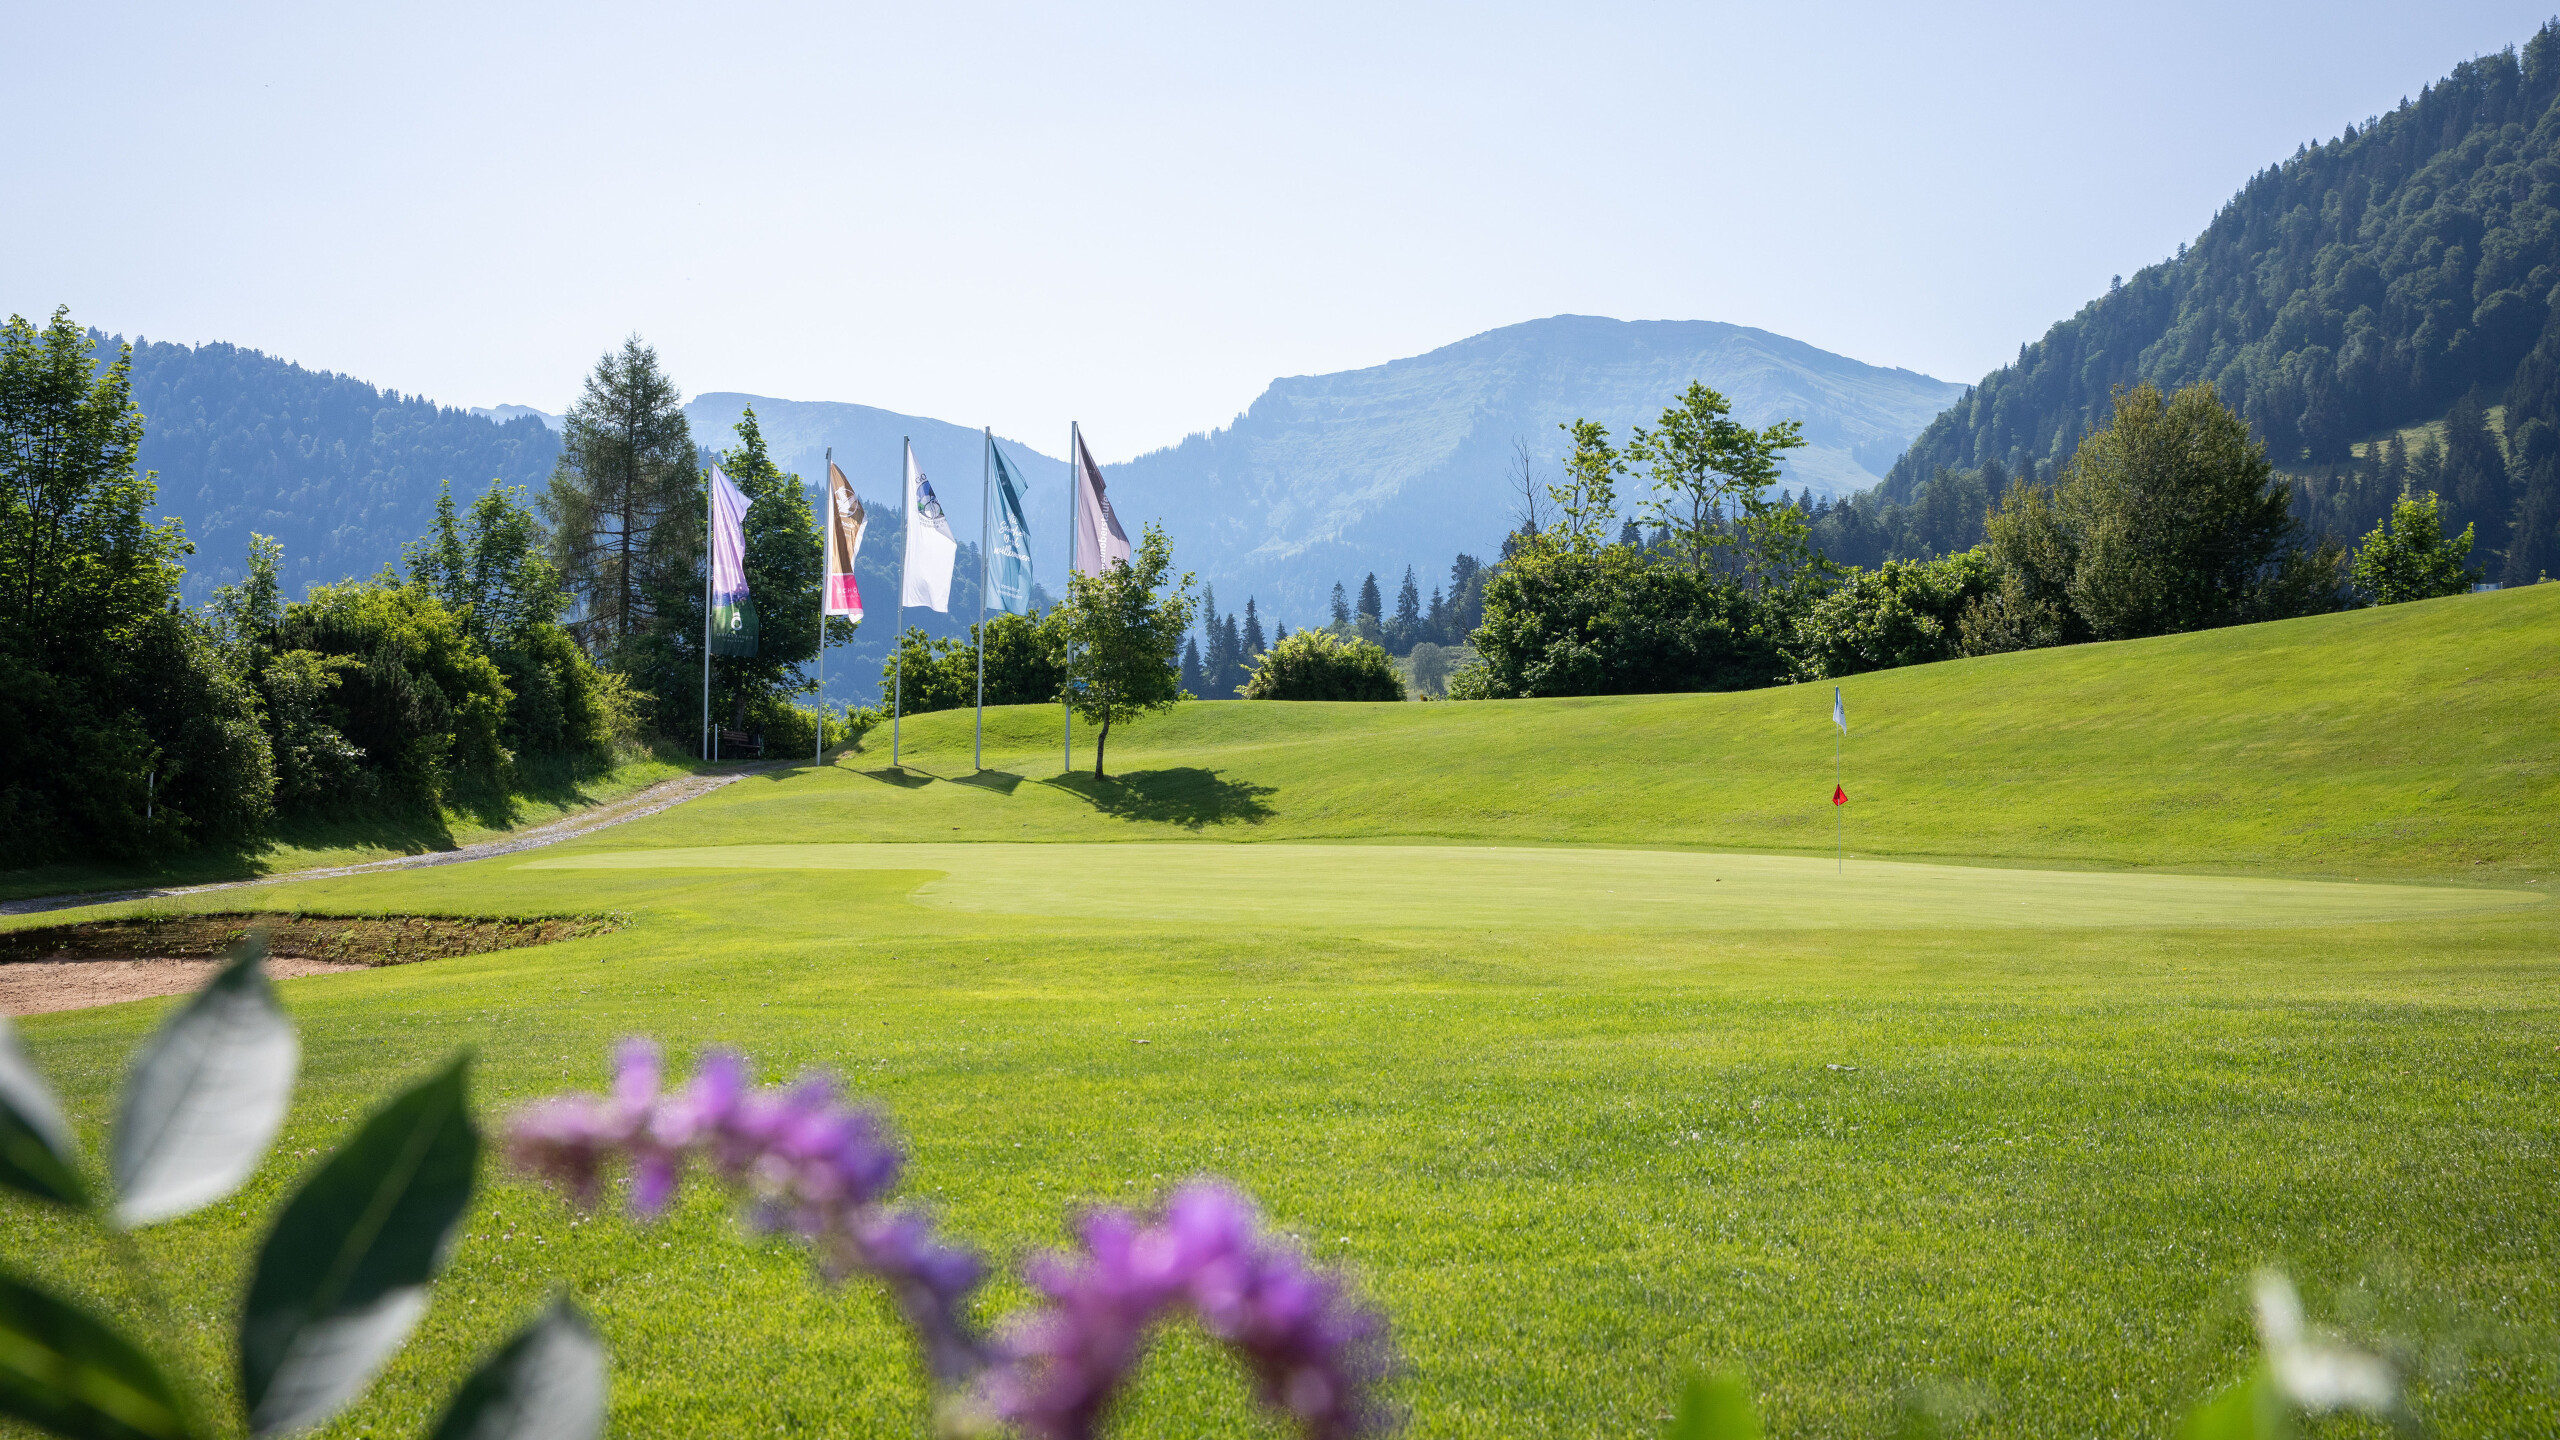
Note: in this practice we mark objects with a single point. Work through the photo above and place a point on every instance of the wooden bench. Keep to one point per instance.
(737, 742)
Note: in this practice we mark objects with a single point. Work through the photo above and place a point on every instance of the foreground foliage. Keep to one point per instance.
(340, 1280)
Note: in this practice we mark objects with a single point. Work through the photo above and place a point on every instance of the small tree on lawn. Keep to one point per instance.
(1122, 639)
(2409, 557)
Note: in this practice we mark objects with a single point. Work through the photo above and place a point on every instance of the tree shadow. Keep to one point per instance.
(1189, 796)
(1003, 782)
(898, 775)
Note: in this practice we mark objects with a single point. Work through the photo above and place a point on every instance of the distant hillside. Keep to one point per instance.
(2366, 284)
(1330, 476)
(339, 471)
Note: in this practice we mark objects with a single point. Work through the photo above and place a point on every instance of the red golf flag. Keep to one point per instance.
(1839, 796)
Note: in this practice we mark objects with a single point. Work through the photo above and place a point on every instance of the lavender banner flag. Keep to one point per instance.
(733, 614)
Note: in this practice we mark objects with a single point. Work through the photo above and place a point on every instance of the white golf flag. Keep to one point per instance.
(1839, 716)
(931, 547)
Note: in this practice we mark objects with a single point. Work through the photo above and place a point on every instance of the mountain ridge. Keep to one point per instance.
(1325, 477)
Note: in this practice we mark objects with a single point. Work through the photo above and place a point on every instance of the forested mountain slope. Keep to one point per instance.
(2374, 281)
(339, 471)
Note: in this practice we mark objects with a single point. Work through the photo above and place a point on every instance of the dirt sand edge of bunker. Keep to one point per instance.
(367, 940)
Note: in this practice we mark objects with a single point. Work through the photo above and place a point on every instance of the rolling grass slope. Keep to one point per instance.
(2003, 1142)
(2405, 742)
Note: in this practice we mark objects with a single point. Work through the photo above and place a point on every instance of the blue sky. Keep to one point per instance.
(1134, 215)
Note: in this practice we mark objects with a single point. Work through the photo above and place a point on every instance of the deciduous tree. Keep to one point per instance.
(1121, 631)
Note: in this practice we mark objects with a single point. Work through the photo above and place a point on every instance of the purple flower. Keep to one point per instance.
(805, 1160)
(1317, 1354)
(808, 1162)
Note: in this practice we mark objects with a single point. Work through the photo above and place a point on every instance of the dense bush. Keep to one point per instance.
(1023, 667)
(1902, 613)
(1317, 665)
(1610, 621)
(421, 699)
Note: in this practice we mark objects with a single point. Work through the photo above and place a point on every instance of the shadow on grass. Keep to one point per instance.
(1190, 797)
(898, 775)
(1003, 782)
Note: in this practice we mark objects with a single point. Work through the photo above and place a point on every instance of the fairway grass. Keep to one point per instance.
(1471, 887)
(2409, 741)
(1554, 1024)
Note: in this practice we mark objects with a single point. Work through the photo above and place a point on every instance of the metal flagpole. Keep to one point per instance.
(826, 532)
(710, 523)
(986, 528)
(1075, 514)
(1840, 864)
(898, 637)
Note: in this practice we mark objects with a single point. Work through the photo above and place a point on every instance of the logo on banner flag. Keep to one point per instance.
(733, 613)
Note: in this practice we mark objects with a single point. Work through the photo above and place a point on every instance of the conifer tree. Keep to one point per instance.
(1254, 644)
(1341, 610)
(1408, 626)
(626, 467)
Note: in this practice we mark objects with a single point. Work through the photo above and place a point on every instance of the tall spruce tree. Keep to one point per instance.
(1254, 644)
(1406, 632)
(627, 467)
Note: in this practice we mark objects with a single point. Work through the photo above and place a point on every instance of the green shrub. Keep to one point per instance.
(1317, 665)
(1611, 622)
(1905, 612)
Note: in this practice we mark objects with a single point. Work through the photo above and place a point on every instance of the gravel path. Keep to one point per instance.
(640, 803)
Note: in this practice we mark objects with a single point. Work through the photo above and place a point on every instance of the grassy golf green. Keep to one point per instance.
(2255, 968)
(2412, 741)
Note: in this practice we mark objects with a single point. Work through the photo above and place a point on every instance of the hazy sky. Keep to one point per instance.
(1134, 215)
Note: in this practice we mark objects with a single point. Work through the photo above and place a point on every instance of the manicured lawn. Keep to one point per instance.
(2410, 741)
(2006, 1140)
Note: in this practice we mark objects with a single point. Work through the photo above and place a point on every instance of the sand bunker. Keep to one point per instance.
(72, 967)
(38, 987)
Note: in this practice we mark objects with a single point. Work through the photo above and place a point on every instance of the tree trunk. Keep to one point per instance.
(1100, 741)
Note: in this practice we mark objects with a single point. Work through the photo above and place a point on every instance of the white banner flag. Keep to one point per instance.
(931, 547)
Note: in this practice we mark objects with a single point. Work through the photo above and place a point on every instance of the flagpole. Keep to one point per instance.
(1075, 514)
(826, 529)
(1840, 864)
(710, 523)
(898, 637)
(986, 528)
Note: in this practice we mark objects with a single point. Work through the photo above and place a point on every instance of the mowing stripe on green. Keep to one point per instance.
(1471, 887)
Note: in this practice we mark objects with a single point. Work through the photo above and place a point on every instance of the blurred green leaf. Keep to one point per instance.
(2249, 1410)
(67, 1373)
(343, 1275)
(546, 1384)
(206, 1096)
(37, 1156)
(1715, 1407)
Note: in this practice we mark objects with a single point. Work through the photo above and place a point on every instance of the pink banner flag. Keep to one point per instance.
(845, 523)
(1099, 538)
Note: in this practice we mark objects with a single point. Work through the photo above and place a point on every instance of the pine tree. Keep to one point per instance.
(626, 467)
(1253, 642)
(1341, 610)
(2475, 475)
(1191, 678)
(1408, 626)
(1231, 645)
(1371, 604)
